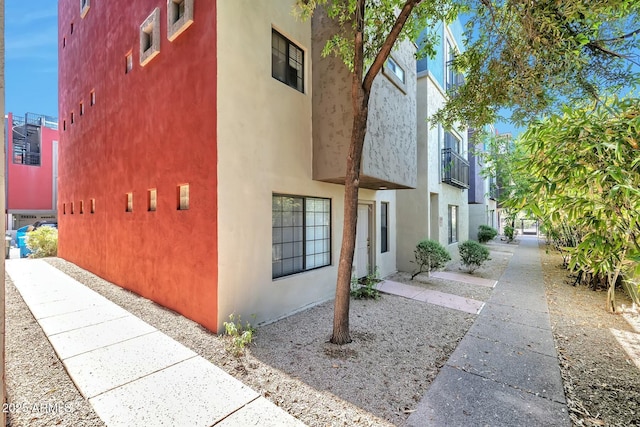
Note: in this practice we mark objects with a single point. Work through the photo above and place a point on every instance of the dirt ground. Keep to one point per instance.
(601, 378)
(398, 347)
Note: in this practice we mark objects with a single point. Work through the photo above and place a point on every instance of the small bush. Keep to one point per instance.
(365, 289)
(509, 233)
(241, 335)
(486, 233)
(43, 242)
(473, 254)
(430, 255)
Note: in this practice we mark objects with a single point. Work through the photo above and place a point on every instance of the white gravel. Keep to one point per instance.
(398, 347)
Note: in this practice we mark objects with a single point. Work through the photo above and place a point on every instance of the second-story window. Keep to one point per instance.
(287, 61)
(395, 69)
(451, 141)
(453, 77)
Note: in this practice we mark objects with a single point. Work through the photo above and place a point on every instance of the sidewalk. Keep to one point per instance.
(505, 370)
(131, 373)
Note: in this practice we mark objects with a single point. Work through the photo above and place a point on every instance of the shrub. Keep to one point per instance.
(365, 289)
(509, 233)
(486, 233)
(473, 254)
(241, 335)
(430, 255)
(43, 242)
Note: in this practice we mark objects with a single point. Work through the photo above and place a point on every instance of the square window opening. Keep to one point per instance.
(150, 37)
(179, 17)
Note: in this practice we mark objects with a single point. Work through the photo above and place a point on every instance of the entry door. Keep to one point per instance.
(362, 242)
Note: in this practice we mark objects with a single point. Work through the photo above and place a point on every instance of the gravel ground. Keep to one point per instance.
(398, 347)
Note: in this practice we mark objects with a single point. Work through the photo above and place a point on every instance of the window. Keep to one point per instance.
(64, 125)
(129, 207)
(81, 207)
(183, 197)
(84, 8)
(72, 208)
(72, 117)
(93, 205)
(128, 60)
(179, 17)
(301, 234)
(453, 224)
(92, 101)
(82, 108)
(396, 69)
(64, 209)
(64, 42)
(454, 78)
(72, 28)
(150, 37)
(287, 61)
(451, 142)
(152, 201)
(384, 227)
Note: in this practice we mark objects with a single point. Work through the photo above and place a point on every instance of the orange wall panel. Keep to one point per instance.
(151, 127)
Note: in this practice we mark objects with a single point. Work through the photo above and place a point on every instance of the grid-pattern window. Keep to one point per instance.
(384, 227)
(287, 61)
(301, 234)
(453, 224)
(152, 201)
(183, 197)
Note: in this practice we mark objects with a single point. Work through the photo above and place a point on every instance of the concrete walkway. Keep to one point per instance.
(131, 373)
(505, 370)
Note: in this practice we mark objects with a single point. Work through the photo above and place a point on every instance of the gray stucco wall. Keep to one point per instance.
(389, 157)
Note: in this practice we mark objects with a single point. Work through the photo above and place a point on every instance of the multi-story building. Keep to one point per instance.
(202, 154)
(438, 207)
(483, 209)
(31, 144)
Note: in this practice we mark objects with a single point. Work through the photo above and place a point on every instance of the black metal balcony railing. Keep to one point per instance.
(455, 169)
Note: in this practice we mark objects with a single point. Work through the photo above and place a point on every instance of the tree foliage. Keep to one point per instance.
(532, 57)
(584, 169)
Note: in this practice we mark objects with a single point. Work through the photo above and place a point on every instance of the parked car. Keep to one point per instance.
(21, 234)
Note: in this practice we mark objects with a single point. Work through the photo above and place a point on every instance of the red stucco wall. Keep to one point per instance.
(154, 127)
(31, 187)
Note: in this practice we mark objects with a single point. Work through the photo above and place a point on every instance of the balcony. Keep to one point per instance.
(455, 169)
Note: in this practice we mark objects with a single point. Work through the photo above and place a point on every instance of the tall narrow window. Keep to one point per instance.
(152, 200)
(287, 61)
(93, 205)
(183, 197)
(81, 207)
(72, 117)
(82, 108)
(301, 234)
(128, 63)
(92, 101)
(129, 207)
(72, 208)
(384, 227)
(453, 224)
(64, 209)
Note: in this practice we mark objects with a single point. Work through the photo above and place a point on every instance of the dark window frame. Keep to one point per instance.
(290, 73)
(384, 227)
(299, 230)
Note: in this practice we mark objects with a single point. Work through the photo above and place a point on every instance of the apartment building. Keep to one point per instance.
(437, 208)
(202, 154)
(31, 144)
(483, 206)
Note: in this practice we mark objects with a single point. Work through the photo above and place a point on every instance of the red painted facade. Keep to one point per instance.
(30, 188)
(153, 127)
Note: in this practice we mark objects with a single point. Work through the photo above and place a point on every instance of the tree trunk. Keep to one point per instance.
(360, 91)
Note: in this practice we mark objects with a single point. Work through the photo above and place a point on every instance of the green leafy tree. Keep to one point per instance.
(526, 56)
(585, 172)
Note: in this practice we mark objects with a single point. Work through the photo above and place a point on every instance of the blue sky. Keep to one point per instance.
(31, 57)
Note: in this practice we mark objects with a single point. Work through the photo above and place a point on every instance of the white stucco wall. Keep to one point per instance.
(265, 147)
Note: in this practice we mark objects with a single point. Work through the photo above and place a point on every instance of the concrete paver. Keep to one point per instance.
(505, 371)
(133, 374)
(464, 278)
(455, 302)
